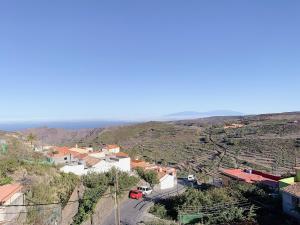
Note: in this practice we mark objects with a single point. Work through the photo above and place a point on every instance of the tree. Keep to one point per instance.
(150, 177)
(31, 138)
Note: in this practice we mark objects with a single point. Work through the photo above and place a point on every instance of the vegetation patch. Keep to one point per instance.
(96, 184)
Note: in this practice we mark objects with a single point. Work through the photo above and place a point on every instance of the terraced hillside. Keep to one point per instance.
(267, 142)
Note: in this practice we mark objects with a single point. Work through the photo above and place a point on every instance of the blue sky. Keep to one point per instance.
(142, 59)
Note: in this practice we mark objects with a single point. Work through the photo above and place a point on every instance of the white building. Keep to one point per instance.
(11, 194)
(121, 163)
(167, 177)
(168, 181)
(76, 169)
(111, 149)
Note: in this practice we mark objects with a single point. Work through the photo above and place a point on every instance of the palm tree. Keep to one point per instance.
(31, 138)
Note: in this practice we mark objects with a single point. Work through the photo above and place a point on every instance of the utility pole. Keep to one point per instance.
(117, 214)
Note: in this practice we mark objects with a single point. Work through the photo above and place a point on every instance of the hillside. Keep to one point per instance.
(266, 142)
(59, 136)
(42, 182)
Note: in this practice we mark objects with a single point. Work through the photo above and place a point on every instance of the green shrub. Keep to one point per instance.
(159, 211)
(150, 177)
(5, 180)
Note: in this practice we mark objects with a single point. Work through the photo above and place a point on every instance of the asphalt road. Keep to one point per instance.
(132, 211)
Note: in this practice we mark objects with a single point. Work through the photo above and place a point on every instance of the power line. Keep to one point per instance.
(60, 203)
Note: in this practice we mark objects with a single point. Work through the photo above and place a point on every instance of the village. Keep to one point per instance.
(82, 161)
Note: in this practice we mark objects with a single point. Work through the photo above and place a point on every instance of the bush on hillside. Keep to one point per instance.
(150, 177)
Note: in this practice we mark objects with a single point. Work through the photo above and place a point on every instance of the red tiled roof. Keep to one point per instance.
(8, 190)
(111, 146)
(59, 152)
(63, 151)
(121, 154)
(80, 155)
(250, 177)
(137, 161)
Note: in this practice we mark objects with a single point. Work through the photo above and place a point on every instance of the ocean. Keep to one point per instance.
(71, 125)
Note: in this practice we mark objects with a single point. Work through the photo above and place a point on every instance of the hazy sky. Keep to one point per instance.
(131, 59)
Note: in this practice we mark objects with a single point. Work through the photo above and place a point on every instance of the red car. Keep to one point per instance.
(135, 194)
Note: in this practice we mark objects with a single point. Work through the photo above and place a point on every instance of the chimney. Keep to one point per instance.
(297, 178)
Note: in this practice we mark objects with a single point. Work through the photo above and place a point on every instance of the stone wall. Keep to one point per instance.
(71, 209)
(104, 208)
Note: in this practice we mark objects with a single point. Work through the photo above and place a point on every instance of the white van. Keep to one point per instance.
(145, 190)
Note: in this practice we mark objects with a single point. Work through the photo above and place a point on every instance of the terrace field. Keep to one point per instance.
(266, 142)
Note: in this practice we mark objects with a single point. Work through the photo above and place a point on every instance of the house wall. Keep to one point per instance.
(12, 213)
(167, 182)
(70, 210)
(62, 160)
(114, 150)
(76, 169)
(288, 207)
(122, 164)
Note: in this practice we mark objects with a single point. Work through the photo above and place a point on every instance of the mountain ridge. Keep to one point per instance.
(195, 114)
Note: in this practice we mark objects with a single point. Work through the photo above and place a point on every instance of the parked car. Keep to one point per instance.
(135, 194)
(145, 190)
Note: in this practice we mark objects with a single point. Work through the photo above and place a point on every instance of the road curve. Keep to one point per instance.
(132, 211)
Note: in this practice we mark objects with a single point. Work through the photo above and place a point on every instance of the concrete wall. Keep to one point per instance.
(124, 164)
(11, 213)
(70, 210)
(104, 208)
(167, 182)
(288, 206)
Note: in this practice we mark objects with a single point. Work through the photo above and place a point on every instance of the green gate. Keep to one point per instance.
(190, 218)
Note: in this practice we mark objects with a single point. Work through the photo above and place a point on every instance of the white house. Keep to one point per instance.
(168, 181)
(76, 169)
(119, 162)
(111, 149)
(167, 177)
(11, 194)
